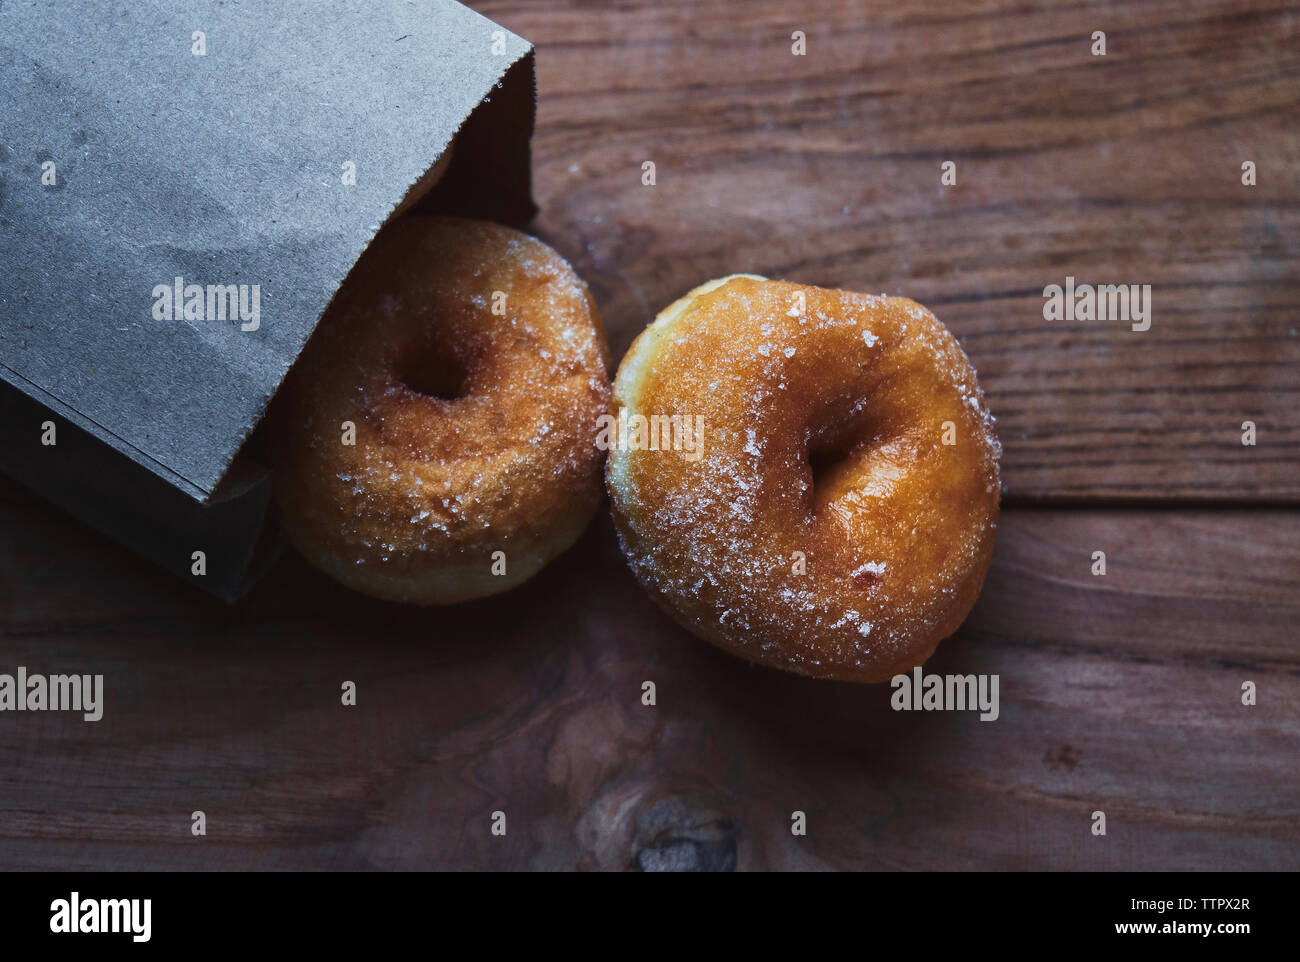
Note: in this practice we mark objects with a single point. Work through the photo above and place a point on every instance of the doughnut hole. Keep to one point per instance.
(435, 371)
(824, 464)
(840, 436)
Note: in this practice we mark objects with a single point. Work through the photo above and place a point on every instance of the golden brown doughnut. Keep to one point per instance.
(474, 430)
(855, 570)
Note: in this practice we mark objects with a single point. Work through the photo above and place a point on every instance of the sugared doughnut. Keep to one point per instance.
(838, 518)
(466, 364)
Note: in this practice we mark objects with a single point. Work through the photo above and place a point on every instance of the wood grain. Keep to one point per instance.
(824, 168)
(1118, 693)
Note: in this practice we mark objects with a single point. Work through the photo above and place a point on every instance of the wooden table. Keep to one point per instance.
(1119, 693)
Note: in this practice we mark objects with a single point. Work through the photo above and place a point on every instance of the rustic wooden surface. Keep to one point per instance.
(1118, 693)
(825, 169)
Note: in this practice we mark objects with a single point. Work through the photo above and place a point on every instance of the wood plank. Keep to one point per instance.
(1118, 693)
(1123, 169)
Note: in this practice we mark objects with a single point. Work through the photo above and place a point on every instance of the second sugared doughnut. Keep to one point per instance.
(436, 440)
(836, 516)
